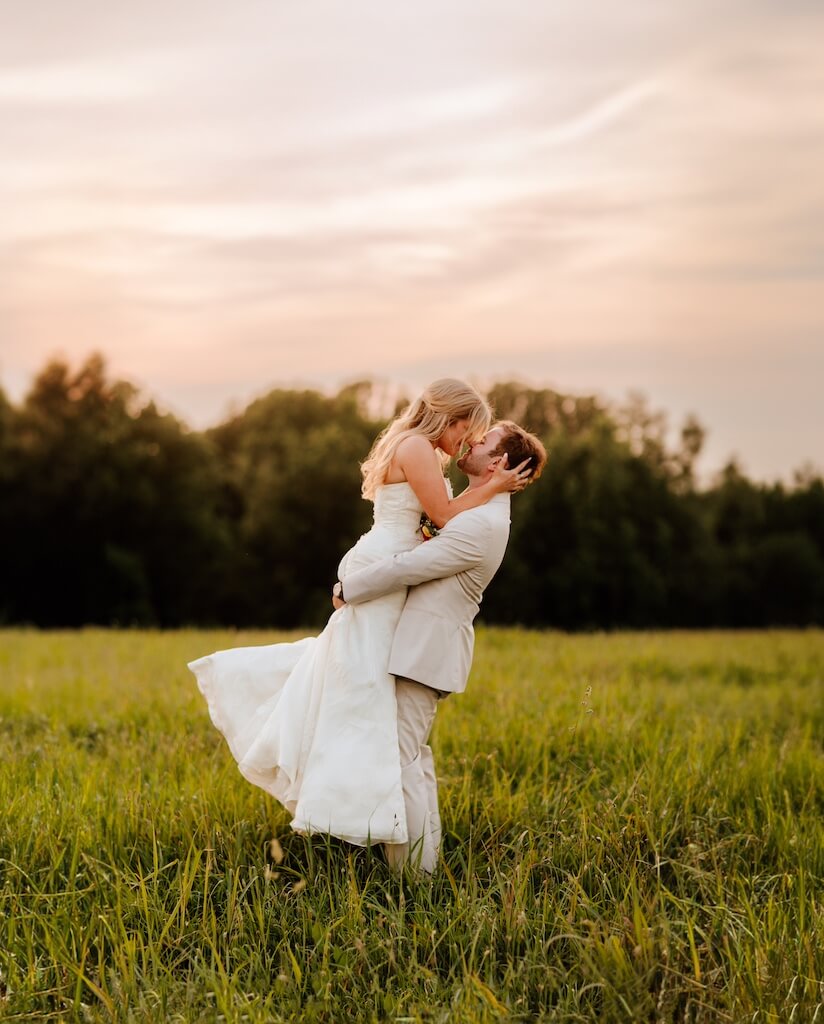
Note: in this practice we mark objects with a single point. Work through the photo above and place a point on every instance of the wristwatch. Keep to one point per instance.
(337, 591)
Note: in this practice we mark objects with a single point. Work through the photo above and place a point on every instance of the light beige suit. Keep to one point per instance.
(434, 639)
(433, 645)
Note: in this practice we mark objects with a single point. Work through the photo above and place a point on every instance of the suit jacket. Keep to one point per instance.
(448, 574)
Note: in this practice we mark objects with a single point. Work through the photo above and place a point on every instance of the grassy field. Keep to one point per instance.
(632, 822)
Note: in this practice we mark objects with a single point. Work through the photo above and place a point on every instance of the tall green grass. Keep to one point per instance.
(633, 832)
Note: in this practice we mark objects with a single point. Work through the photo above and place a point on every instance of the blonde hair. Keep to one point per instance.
(443, 403)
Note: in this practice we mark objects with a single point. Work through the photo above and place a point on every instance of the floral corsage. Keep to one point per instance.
(428, 528)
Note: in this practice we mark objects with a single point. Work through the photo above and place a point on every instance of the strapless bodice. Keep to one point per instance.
(397, 508)
(397, 520)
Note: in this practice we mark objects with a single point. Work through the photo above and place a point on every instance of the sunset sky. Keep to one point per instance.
(224, 198)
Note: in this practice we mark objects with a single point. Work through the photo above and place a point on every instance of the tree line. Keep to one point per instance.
(114, 512)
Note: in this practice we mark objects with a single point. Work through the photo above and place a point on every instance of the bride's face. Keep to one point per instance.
(452, 438)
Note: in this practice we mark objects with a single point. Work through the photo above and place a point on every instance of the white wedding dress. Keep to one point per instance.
(314, 722)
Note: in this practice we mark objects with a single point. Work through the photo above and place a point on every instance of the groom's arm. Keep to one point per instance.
(461, 545)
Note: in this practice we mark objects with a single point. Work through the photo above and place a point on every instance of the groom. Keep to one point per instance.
(432, 649)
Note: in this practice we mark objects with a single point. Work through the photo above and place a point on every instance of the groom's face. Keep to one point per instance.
(479, 457)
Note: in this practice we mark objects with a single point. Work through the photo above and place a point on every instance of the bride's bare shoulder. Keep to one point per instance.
(414, 453)
(414, 446)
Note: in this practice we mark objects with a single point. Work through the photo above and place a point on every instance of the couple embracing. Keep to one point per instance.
(335, 726)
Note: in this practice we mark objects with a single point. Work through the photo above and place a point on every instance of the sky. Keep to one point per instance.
(225, 198)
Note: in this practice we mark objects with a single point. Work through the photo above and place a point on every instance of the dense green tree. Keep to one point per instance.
(769, 547)
(8, 515)
(291, 462)
(600, 541)
(109, 504)
(786, 580)
(544, 411)
(111, 511)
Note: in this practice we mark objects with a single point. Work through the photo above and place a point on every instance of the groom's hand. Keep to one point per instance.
(337, 596)
(337, 603)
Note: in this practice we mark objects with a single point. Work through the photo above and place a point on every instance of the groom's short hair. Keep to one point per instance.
(519, 444)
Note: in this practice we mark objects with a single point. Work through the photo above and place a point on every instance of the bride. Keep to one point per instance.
(314, 722)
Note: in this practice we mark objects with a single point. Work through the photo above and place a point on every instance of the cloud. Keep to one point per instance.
(109, 81)
(246, 194)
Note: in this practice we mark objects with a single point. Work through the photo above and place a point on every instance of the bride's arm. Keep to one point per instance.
(421, 466)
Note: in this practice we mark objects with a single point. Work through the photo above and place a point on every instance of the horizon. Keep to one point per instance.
(387, 392)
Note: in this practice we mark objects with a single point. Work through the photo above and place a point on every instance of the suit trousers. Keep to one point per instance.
(417, 705)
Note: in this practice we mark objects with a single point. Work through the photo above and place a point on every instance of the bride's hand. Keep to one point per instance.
(513, 480)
